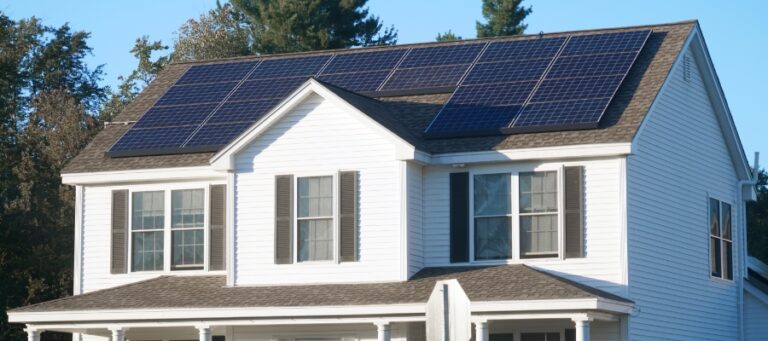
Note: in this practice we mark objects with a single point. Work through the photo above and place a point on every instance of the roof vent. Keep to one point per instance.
(687, 68)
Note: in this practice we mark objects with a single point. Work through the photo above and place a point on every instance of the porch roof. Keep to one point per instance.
(481, 284)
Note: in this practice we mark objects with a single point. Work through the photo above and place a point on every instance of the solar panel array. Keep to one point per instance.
(531, 84)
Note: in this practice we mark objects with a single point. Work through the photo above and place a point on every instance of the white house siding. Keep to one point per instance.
(414, 200)
(679, 161)
(755, 318)
(348, 332)
(602, 266)
(318, 138)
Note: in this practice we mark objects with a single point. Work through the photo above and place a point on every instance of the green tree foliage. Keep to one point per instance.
(447, 36)
(503, 18)
(757, 220)
(303, 25)
(222, 32)
(48, 99)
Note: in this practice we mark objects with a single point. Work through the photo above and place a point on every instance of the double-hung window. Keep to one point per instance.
(147, 229)
(315, 218)
(492, 214)
(188, 228)
(538, 215)
(720, 239)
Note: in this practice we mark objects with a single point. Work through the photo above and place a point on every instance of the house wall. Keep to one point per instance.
(755, 317)
(603, 265)
(415, 212)
(318, 138)
(679, 161)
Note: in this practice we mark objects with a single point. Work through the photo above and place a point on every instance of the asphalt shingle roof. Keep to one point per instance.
(408, 116)
(491, 283)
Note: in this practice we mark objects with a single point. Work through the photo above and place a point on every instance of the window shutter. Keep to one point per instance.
(574, 212)
(459, 217)
(119, 259)
(348, 216)
(283, 219)
(217, 228)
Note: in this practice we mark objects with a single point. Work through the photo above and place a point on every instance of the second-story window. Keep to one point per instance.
(538, 215)
(493, 220)
(147, 229)
(315, 218)
(188, 228)
(720, 239)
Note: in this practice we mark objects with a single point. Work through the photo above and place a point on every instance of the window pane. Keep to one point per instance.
(315, 197)
(315, 239)
(492, 194)
(538, 192)
(727, 260)
(188, 248)
(714, 217)
(147, 251)
(147, 210)
(715, 260)
(188, 208)
(726, 224)
(493, 238)
(538, 235)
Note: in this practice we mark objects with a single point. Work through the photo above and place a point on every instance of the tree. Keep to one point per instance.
(222, 32)
(303, 25)
(757, 220)
(503, 18)
(447, 36)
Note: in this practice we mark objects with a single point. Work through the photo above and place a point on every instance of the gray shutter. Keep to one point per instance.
(217, 225)
(348, 216)
(574, 212)
(459, 217)
(119, 259)
(283, 219)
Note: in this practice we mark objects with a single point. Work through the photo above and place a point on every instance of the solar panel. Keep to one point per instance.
(364, 61)
(459, 120)
(509, 71)
(359, 81)
(522, 49)
(493, 94)
(152, 138)
(564, 89)
(197, 93)
(426, 77)
(442, 55)
(571, 114)
(175, 115)
(631, 41)
(260, 89)
(216, 134)
(592, 65)
(289, 67)
(232, 112)
(212, 73)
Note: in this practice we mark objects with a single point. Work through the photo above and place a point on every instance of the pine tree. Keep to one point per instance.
(222, 32)
(447, 36)
(503, 18)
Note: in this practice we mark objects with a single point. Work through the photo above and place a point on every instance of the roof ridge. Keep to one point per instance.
(429, 43)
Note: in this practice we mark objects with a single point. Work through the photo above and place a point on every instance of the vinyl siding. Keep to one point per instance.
(318, 138)
(680, 160)
(602, 267)
(414, 200)
(755, 318)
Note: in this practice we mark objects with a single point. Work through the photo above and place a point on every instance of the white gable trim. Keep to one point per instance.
(224, 159)
(696, 44)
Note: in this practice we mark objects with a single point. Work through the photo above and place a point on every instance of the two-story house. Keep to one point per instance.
(584, 185)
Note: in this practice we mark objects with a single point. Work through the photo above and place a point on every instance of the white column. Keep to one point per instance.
(118, 334)
(383, 330)
(205, 332)
(481, 331)
(582, 328)
(33, 334)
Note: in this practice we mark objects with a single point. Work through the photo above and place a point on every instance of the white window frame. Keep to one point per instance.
(514, 172)
(559, 195)
(167, 245)
(132, 231)
(334, 218)
(204, 228)
(721, 240)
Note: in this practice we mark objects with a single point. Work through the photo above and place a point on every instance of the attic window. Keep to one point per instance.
(687, 68)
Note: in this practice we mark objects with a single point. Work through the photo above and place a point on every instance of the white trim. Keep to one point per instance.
(404, 252)
(623, 227)
(756, 292)
(146, 175)
(230, 225)
(553, 305)
(757, 266)
(542, 153)
(77, 271)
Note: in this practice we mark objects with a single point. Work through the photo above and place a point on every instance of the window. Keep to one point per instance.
(720, 239)
(188, 228)
(538, 215)
(147, 225)
(493, 221)
(315, 218)
(540, 337)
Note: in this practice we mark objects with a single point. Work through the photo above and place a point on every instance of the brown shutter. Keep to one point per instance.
(283, 219)
(348, 216)
(574, 212)
(119, 259)
(217, 226)
(459, 217)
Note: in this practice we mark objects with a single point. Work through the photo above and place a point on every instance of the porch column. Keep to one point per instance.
(118, 334)
(582, 328)
(205, 332)
(33, 334)
(481, 331)
(383, 330)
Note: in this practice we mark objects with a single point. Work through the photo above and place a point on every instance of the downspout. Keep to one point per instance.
(741, 184)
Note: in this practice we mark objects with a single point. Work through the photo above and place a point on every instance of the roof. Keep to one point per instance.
(493, 283)
(408, 116)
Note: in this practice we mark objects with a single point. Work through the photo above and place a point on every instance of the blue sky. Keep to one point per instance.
(735, 33)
